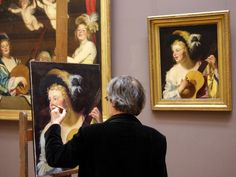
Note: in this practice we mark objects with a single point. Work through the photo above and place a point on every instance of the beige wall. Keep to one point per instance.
(200, 144)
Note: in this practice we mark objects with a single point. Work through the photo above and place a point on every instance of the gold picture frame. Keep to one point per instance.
(61, 53)
(162, 32)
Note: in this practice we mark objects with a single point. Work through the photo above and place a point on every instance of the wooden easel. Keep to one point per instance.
(25, 135)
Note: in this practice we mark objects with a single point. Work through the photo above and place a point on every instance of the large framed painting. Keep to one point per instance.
(44, 30)
(190, 64)
(75, 87)
(25, 34)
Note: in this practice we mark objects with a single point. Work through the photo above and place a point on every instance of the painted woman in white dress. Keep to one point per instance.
(86, 26)
(189, 77)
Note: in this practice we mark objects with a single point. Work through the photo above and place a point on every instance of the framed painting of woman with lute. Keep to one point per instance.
(187, 62)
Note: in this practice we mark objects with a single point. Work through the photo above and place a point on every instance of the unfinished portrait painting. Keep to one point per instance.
(75, 87)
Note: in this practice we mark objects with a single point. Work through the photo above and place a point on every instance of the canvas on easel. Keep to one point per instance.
(75, 87)
(25, 136)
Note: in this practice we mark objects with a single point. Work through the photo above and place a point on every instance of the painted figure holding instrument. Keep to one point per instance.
(14, 76)
(191, 76)
(70, 91)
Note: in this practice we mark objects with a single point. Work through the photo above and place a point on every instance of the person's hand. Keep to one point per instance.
(184, 83)
(212, 61)
(21, 81)
(57, 115)
(18, 81)
(14, 82)
(96, 115)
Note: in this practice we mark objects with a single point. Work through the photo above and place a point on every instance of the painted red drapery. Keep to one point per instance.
(90, 6)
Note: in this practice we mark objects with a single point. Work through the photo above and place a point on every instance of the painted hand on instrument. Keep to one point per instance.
(184, 83)
(14, 82)
(212, 61)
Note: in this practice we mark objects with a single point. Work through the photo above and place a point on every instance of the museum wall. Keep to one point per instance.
(200, 144)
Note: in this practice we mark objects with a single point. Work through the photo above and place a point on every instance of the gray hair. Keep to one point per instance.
(127, 94)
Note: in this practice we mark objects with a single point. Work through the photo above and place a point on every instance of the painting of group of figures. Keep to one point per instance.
(28, 32)
(29, 68)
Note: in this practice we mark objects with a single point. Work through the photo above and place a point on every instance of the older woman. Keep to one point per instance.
(190, 77)
(120, 146)
(86, 26)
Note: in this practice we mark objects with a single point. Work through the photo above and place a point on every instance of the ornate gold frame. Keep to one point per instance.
(221, 20)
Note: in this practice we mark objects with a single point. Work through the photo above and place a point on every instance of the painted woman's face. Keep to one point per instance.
(82, 32)
(56, 98)
(178, 49)
(5, 48)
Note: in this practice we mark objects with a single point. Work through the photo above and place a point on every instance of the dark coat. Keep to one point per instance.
(119, 147)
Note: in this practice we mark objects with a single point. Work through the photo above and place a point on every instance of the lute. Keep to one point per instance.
(196, 82)
(21, 70)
